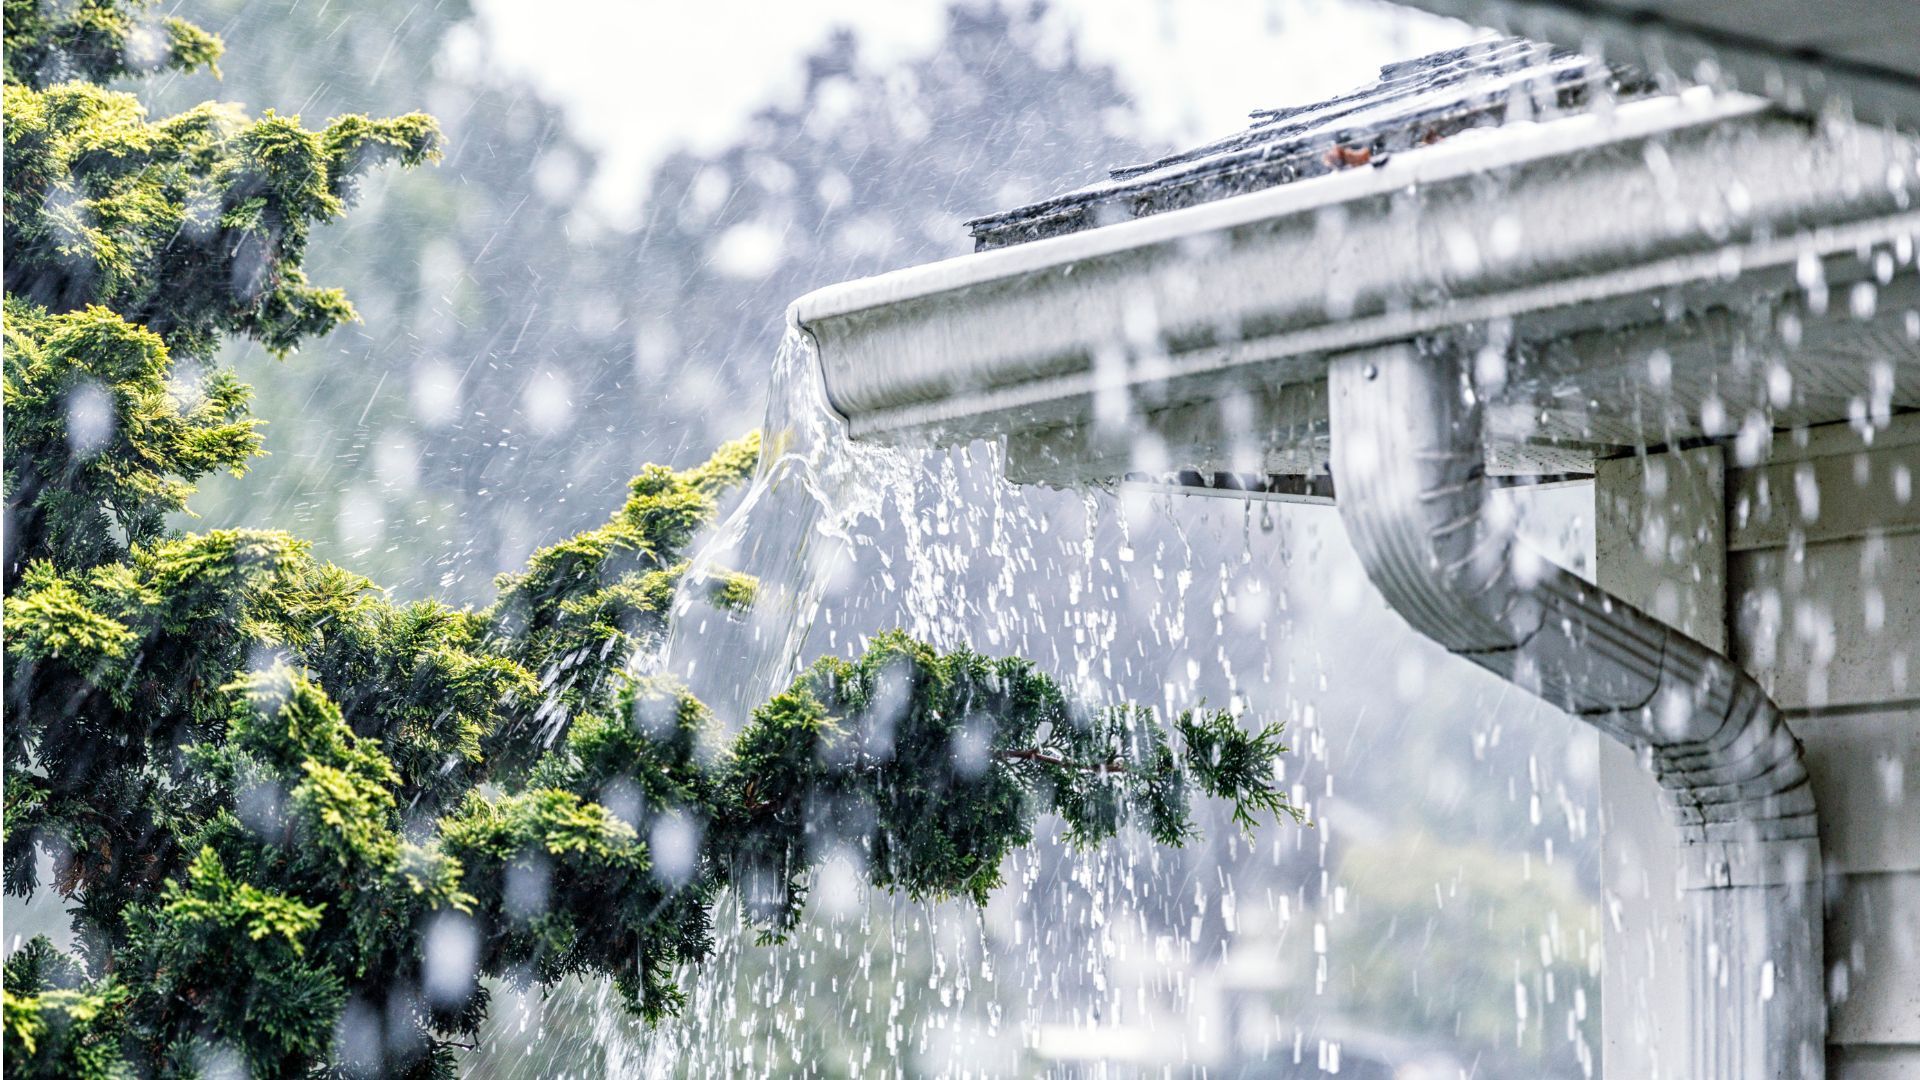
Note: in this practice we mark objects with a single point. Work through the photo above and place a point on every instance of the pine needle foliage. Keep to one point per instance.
(298, 822)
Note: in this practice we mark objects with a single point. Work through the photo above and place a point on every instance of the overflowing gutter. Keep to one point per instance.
(1657, 212)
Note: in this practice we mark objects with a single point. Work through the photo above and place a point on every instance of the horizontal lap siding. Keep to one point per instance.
(1827, 613)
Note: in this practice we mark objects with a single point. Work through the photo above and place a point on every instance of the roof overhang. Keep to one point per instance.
(1863, 54)
(1644, 259)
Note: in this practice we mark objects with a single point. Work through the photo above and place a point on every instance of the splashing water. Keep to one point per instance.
(793, 524)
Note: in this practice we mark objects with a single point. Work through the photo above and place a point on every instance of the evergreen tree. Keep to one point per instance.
(297, 820)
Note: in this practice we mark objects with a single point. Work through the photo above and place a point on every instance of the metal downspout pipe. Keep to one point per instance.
(1408, 464)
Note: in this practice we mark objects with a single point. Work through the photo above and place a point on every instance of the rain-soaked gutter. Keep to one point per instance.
(1586, 222)
(1344, 303)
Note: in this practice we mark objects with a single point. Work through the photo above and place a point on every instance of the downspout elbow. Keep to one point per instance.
(1408, 463)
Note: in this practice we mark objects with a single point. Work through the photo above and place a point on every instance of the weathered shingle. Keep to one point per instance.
(1414, 103)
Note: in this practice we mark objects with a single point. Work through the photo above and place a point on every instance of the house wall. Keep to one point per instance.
(1824, 606)
(1807, 567)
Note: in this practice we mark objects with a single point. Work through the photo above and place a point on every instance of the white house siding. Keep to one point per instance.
(1825, 609)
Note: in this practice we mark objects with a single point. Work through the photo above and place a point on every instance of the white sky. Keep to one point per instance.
(652, 75)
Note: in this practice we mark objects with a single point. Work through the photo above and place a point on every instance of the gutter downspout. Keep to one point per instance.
(1408, 463)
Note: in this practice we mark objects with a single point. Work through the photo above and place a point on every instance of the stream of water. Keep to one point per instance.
(794, 523)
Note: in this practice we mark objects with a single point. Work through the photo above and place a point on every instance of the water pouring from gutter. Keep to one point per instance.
(810, 489)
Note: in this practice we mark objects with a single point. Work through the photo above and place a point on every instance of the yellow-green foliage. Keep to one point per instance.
(61, 1034)
(56, 1025)
(100, 443)
(214, 902)
(343, 800)
(51, 619)
(99, 41)
(192, 226)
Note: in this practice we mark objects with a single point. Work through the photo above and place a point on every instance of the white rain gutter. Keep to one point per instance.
(1408, 463)
(1715, 200)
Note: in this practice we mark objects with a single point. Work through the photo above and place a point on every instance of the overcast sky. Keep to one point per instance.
(651, 75)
